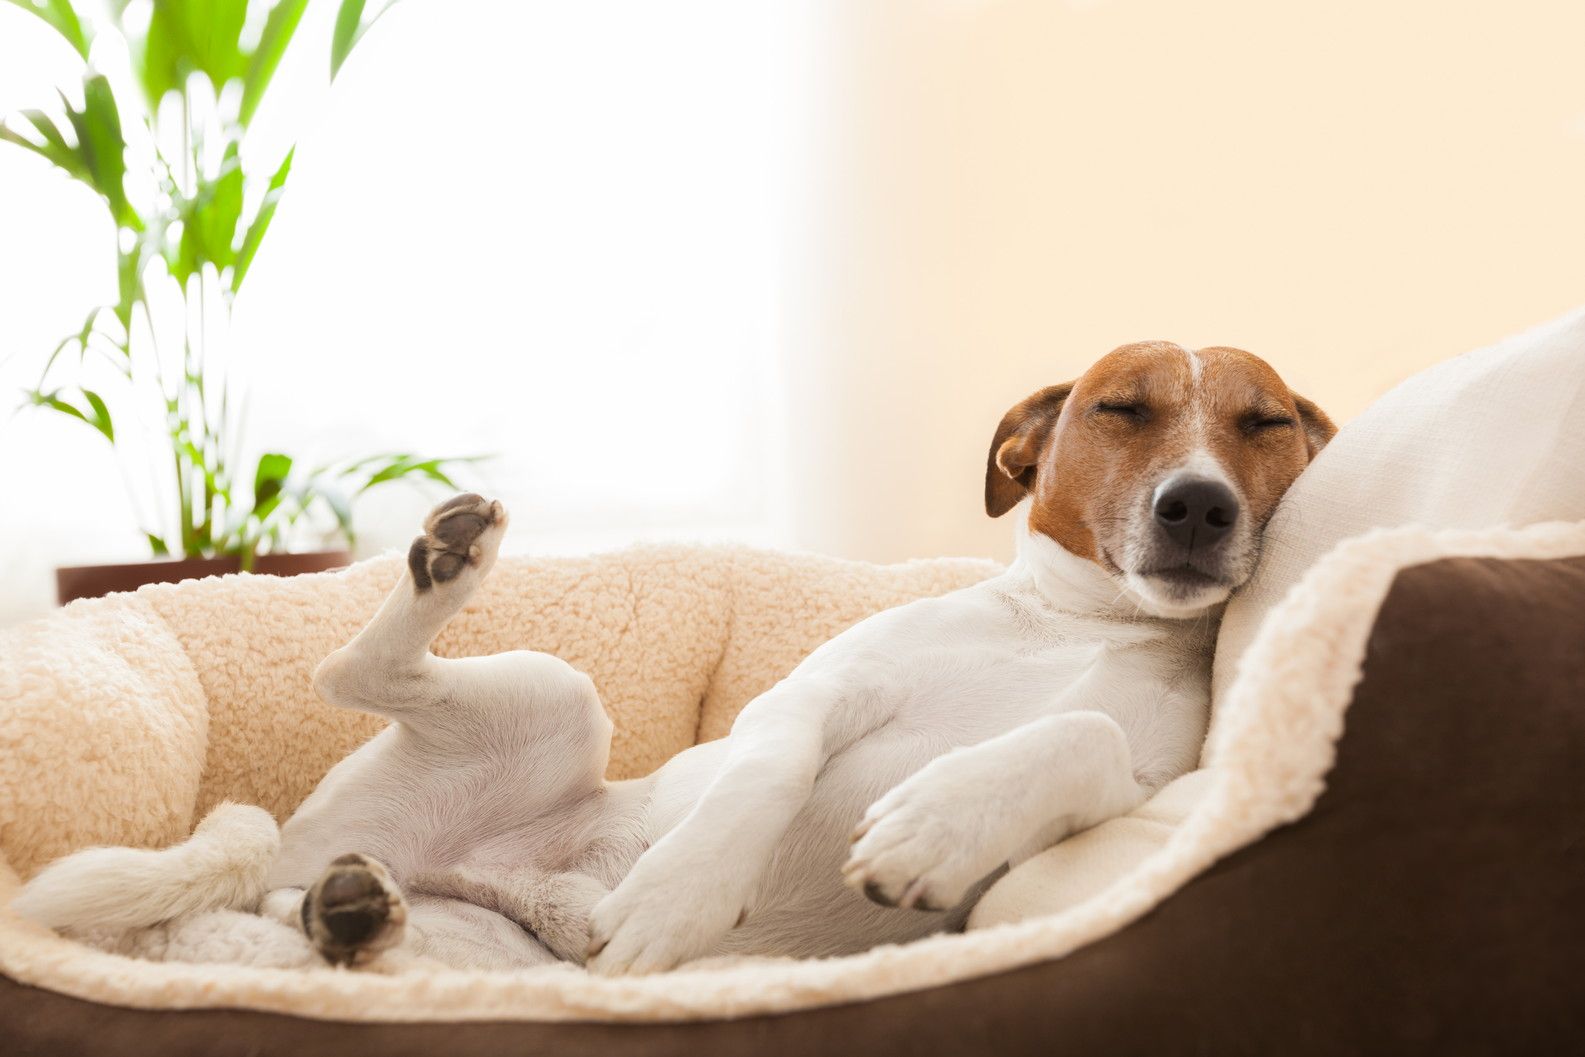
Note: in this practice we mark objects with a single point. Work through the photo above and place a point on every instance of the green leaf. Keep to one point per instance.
(98, 157)
(279, 28)
(184, 37)
(10, 135)
(49, 130)
(268, 480)
(261, 223)
(157, 545)
(80, 339)
(97, 415)
(351, 25)
(54, 402)
(101, 147)
(129, 281)
(60, 15)
(195, 455)
(398, 467)
(394, 470)
(209, 221)
(431, 469)
(54, 147)
(101, 415)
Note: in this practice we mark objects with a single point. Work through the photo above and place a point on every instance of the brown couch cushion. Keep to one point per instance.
(1433, 902)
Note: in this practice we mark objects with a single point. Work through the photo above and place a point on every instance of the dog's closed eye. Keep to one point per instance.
(1258, 422)
(1130, 410)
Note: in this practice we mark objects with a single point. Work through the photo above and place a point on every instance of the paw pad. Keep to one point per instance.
(354, 911)
(450, 543)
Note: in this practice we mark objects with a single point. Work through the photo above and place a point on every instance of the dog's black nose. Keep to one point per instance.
(1196, 511)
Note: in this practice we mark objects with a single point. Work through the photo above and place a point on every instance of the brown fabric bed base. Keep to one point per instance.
(1433, 902)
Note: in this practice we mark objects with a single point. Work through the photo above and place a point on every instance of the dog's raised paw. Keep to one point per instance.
(461, 533)
(354, 911)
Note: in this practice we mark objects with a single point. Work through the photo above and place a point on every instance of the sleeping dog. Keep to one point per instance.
(867, 798)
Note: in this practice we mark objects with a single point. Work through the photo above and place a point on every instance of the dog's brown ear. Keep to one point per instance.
(1318, 428)
(1016, 448)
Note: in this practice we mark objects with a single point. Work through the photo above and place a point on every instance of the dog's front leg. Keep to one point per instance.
(694, 884)
(926, 843)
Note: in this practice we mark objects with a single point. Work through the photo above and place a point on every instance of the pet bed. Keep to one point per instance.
(1422, 894)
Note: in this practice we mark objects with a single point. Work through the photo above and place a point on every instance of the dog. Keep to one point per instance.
(909, 760)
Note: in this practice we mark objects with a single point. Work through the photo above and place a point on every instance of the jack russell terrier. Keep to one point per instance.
(903, 764)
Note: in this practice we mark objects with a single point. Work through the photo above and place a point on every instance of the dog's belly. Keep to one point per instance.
(802, 907)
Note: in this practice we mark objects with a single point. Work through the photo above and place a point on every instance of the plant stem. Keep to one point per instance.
(184, 482)
(206, 526)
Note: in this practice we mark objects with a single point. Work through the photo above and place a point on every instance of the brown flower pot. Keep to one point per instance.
(92, 581)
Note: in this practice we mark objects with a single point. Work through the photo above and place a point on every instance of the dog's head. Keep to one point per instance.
(1161, 465)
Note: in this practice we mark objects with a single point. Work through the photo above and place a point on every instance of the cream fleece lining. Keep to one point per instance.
(62, 784)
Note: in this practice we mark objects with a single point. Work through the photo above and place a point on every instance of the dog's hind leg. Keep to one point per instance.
(387, 668)
(529, 710)
(480, 745)
(504, 752)
(552, 905)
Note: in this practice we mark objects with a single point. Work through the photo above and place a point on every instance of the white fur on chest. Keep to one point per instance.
(977, 663)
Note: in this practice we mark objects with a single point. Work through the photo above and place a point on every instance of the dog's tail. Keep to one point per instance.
(223, 865)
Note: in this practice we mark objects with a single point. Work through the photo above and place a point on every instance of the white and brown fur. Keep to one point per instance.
(908, 760)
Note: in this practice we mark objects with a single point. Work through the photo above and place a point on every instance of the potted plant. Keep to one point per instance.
(190, 202)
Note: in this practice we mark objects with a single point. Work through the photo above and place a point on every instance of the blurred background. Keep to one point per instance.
(770, 270)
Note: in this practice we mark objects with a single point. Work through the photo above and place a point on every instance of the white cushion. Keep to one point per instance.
(1088, 863)
(1490, 438)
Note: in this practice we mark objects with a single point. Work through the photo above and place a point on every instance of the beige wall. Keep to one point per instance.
(1353, 190)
